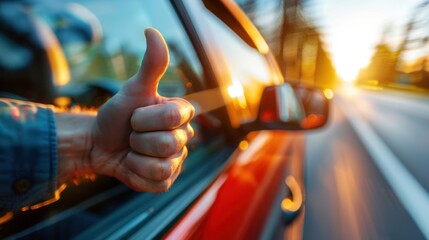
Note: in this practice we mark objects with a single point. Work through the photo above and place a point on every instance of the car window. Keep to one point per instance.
(249, 71)
(113, 47)
(105, 39)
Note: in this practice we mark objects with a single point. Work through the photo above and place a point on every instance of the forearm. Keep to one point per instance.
(74, 143)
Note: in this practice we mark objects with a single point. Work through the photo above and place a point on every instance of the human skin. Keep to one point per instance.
(138, 136)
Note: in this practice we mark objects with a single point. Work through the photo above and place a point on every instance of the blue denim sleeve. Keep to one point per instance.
(28, 157)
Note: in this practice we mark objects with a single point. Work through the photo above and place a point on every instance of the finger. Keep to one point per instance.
(164, 116)
(159, 186)
(154, 65)
(155, 169)
(138, 183)
(145, 185)
(161, 143)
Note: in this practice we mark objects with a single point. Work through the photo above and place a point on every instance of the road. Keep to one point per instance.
(367, 171)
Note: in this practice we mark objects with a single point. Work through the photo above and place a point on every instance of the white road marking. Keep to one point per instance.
(409, 191)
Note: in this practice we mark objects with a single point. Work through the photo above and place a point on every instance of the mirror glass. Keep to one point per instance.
(280, 105)
(315, 103)
(293, 107)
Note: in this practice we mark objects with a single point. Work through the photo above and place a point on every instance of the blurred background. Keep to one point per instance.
(364, 172)
(329, 43)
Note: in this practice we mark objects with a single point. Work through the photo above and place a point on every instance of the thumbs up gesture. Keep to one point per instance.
(138, 136)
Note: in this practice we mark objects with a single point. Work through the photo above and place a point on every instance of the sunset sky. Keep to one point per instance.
(352, 28)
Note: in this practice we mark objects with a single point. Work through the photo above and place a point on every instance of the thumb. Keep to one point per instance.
(153, 67)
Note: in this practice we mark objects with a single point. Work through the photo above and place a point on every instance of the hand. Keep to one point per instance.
(138, 136)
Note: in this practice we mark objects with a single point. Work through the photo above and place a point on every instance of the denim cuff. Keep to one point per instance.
(28, 154)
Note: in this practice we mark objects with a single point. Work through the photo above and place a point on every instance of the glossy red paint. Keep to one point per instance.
(237, 204)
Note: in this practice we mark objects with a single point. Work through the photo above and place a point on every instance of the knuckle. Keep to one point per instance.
(167, 144)
(173, 116)
(191, 109)
(164, 171)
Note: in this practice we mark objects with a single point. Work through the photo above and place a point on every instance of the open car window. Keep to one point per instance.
(103, 43)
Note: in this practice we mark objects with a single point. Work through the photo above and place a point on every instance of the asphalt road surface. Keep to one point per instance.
(367, 172)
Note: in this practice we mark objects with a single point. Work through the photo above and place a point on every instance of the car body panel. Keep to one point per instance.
(237, 203)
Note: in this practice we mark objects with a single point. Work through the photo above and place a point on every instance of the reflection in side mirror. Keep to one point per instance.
(280, 108)
(315, 103)
(287, 107)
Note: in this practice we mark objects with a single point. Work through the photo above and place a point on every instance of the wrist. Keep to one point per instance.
(74, 144)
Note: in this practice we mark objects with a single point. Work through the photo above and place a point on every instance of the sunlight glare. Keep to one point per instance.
(329, 94)
(235, 90)
(353, 29)
(349, 91)
(349, 60)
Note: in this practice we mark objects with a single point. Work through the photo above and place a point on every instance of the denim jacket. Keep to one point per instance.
(28, 154)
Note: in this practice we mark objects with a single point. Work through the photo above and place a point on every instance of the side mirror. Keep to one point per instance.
(287, 107)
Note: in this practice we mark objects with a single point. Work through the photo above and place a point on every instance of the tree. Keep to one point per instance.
(294, 40)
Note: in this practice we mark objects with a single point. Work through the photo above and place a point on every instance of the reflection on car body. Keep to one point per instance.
(235, 173)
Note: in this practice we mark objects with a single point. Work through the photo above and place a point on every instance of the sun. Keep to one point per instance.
(349, 60)
(348, 69)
